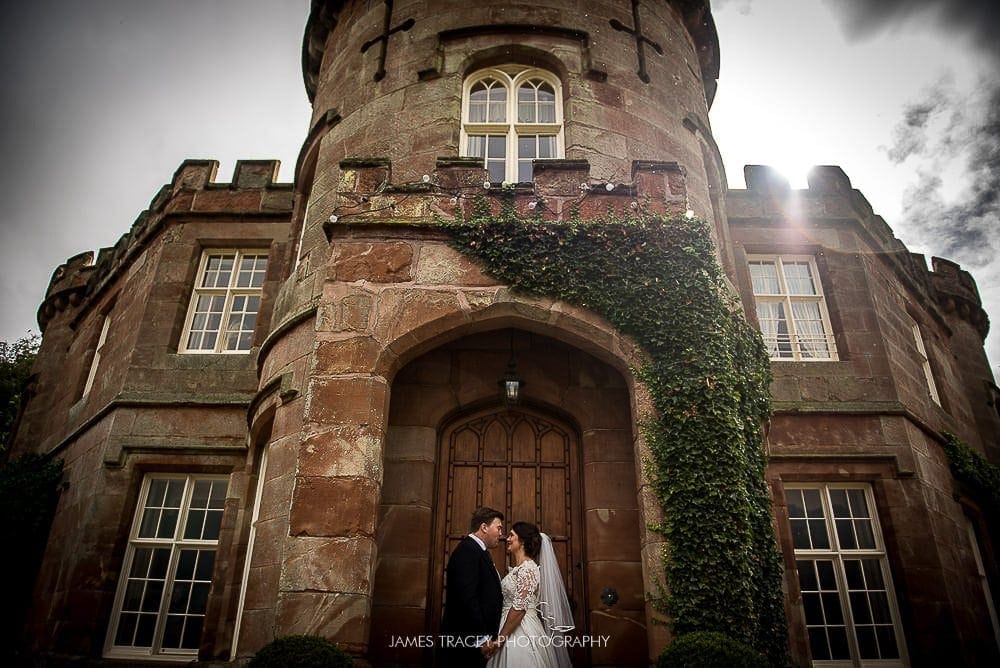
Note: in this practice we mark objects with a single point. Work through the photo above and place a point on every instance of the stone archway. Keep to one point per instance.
(454, 385)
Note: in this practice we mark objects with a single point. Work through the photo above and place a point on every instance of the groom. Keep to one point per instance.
(474, 600)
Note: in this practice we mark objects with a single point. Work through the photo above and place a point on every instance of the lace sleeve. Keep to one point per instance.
(525, 586)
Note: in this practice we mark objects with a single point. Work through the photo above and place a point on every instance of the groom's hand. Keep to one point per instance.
(489, 648)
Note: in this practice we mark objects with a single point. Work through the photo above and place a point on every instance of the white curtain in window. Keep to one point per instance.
(798, 278)
(488, 102)
(536, 102)
(774, 327)
(764, 276)
(809, 329)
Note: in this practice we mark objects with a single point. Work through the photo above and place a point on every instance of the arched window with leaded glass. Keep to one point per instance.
(510, 116)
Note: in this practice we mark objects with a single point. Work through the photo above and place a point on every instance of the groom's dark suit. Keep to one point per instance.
(472, 606)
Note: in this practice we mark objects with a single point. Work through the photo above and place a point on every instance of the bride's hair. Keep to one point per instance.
(530, 538)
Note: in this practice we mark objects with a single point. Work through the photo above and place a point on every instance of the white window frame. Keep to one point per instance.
(798, 349)
(251, 540)
(925, 364)
(838, 555)
(230, 293)
(983, 581)
(96, 360)
(511, 77)
(175, 544)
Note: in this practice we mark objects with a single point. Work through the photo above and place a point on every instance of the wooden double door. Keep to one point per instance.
(525, 464)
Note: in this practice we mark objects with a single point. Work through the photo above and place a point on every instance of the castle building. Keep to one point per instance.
(277, 403)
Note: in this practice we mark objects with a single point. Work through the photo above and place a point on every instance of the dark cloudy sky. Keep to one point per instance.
(103, 99)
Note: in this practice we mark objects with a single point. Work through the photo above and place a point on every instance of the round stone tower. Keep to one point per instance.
(379, 427)
(634, 82)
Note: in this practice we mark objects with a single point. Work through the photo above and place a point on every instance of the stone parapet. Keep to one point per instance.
(696, 17)
(957, 293)
(252, 193)
(561, 190)
(67, 286)
(830, 200)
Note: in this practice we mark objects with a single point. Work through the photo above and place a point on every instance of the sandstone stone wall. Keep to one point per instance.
(868, 417)
(150, 409)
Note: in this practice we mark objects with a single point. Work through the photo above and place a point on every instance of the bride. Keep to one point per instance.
(535, 610)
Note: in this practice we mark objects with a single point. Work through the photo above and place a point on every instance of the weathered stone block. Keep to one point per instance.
(227, 200)
(353, 313)
(343, 451)
(262, 587)
(607, 445)
(257, 628)
(340, 565)
(560, 177)
(357, 354)
(404, 531)
(255, 173)
(195, 174)
(438, 264)
(611, 532)
(364, 175)
(408, 443)
(409, 482)
(423, 407)
(375, 262)
(343, 618)
(624, 576)
(402, 581)
(610, 484)
(458, 174)
(349, 400)
(406, 310)
(333, 507)
(626, 638)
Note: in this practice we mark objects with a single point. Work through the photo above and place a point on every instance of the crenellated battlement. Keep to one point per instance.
(560, 189)
(830, 200)
(957, 293)
(192, 191)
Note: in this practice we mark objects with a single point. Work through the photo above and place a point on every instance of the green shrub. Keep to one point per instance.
(302, 652)
(29, 493)
(709, 649)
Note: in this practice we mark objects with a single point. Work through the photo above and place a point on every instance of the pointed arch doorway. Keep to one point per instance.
(447, 399)
(524, 462)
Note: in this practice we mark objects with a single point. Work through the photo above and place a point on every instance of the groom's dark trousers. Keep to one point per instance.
(473, 602)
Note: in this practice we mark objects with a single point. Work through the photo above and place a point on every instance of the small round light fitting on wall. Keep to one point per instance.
(333, 218)
(609, 186)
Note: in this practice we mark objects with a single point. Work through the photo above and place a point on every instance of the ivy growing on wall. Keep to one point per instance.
(657, 280)
(980, 476)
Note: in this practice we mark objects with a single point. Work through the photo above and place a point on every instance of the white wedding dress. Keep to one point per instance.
(529, 646)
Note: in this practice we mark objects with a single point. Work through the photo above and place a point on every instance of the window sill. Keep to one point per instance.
(138, 658)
